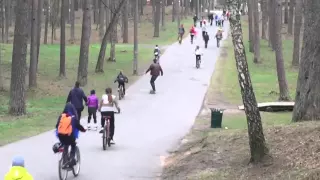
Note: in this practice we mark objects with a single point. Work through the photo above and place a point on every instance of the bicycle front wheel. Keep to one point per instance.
(76, 168)
(63, 171)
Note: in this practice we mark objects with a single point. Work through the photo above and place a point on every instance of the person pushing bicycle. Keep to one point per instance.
(121, 79)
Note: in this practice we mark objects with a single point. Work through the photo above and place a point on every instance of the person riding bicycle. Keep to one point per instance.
(67, 129)
(156, 52)
(106, 108)
(122, 79)
(181, 32)
(17, 170)
(198, 53)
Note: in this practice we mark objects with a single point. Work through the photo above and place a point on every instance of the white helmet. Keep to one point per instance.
(156, 53)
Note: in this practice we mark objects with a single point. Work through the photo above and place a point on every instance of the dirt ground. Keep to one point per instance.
(207, 154)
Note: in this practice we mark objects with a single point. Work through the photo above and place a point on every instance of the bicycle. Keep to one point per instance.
(121, 92)
(64, 162)
(106, 133)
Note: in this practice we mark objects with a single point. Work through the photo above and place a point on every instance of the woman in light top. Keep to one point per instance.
(106, 108)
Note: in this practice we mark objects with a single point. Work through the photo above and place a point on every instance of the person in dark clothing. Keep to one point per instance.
(75, 97)
(211, 19)
(92, 103)
(155, 70)
(121, 79)
(67, 129)
(206, 39)
(201, 21)
(195, 19)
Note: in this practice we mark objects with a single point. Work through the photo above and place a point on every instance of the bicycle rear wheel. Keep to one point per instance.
(63, 171)
(76, 168)
(104, 139)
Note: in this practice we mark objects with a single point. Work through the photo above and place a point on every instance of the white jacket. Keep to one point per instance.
(198, 52)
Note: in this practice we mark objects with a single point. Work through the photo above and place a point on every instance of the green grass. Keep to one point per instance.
(47, 101)
(263, 76)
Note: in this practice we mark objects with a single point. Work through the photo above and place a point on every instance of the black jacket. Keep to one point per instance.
(206, 38)
(75, 97)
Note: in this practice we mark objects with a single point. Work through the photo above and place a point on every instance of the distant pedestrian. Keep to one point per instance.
(195, 19)
(216, 17)
(155, 70)
(206, 39)
(75, 97)
(193, 32)
(92, 102)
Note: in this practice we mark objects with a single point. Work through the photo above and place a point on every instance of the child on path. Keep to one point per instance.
(93, 102)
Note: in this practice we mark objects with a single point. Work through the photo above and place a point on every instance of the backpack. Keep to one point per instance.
(156, 50)
(65, 125)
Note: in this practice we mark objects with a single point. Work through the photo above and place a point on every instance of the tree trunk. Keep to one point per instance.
(135, 38)
(282, 80)
(7, 20)
(101, 20)
(72, 21)
(85, 43)
(63, 10)
(33, 46)
(39, 22)
(255, 9)
(264, 8)
(307, 100)
(258, 148)
(286, 11)
(113, 35)
(291, 14)
(163, 14)
(115, 14)
(250, 19)
(46, 23)
(141, 8)
(297, 30)
(2, 21)
(178, 14)
(125, 20)
(95, 11)
(17, 104)
(174, 11)
(271, 24)
(156, 32)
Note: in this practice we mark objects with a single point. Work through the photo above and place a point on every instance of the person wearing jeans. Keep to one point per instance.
(155, 70)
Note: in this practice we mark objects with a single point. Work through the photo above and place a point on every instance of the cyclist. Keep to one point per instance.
(156, 52)
(198, 53)
(17, 170)
(67, 129)
(181, 32)
(193, 32)
(107, 109)
(92, 108)
(121, 79)
(155, 70)
(219, 36)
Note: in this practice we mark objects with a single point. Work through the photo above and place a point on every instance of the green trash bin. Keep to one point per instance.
(216, 117)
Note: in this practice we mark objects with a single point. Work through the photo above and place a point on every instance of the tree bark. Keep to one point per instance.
(291, 16)
(46, 23)
(250, 19)
(101, 20)
(100, 62)
(282, 80)
(125, 20)
(17, 104)
(63, 10)
(264, 7)
(174, 11)
(156, 32)
(297, 30)
(33, 46)
(163, 14)
(307, 100)
(113, 35)
(286, 11)
(7, 20)
(39, 22)
(135, 38)
(258, 148)
(72, 21)
(256, 20)
(85, 43)
(271, 24)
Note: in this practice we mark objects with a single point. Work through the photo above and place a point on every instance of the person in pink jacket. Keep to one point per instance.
(92, 103)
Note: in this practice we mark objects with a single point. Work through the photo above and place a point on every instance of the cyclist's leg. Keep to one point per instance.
(124, 86)
(72, 142)
(102, 121)
(112, 127)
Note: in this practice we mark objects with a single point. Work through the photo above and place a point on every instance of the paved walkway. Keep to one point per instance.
(148, 126)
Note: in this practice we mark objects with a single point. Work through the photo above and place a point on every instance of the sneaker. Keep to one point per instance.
(95, 128)
(88, 127)
(112, 141)
(101, 130)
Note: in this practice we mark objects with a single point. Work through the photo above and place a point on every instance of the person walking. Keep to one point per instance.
(155, 70)
(193, 32)
(92, 102)
(206, 39)
(75, 97)
(195, 19)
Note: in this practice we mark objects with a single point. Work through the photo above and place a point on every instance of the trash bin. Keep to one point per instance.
(216, 117)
